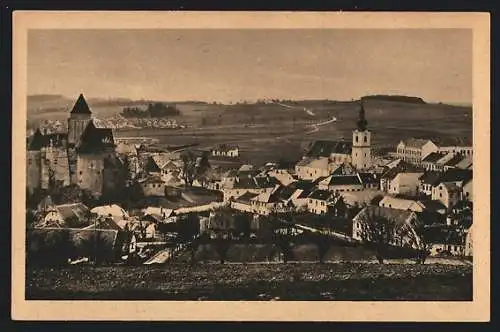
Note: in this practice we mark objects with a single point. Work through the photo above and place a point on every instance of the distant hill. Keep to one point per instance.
(395, 98)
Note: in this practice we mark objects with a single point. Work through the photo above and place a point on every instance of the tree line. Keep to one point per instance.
(153, 110)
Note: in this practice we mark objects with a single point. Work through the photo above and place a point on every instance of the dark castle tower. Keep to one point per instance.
(79, 118)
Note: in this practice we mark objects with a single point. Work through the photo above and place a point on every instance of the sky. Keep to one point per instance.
(235, 65)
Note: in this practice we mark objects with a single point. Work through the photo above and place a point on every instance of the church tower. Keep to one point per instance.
(78, 120)
(361, 143)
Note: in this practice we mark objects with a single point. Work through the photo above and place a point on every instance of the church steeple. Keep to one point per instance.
(362, 123)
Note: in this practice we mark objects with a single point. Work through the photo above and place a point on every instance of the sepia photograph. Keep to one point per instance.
(235, 163)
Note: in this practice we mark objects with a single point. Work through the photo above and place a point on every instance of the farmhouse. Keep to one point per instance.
(74, 215)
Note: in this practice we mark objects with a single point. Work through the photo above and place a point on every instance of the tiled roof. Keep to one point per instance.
(74, 215)
(368, 178)
(454, 174)
(415, 142)
(151, 166)
(431, 178)
(96, 138)
(246, 197)
(320, 194)
(433, 157)
(81, 106)
(324, 148)
(344, 180)
(398, 216)
(455, 160)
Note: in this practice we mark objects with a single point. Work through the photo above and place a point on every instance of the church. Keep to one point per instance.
(83, 156)
(357, 153)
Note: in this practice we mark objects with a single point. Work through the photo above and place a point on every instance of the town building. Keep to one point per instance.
(405, 227)
(361, 143)
(226, 150)
(405, 183)
(414, 150)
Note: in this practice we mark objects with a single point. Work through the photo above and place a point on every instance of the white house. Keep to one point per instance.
(405, 183)
(313, 168)
(226, 150)
(319, 200)
(448, 193)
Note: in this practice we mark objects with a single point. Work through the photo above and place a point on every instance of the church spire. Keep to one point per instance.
(362, 123)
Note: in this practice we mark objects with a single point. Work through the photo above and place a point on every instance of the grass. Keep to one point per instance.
(339, 281)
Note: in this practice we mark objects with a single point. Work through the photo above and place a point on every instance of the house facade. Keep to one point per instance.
(405, 183)
(414, 150)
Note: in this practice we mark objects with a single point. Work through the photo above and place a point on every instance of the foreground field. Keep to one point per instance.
(363, 282)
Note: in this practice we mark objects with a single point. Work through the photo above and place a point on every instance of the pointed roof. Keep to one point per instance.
(151, 166)
(94, 138)
(362, 123)
(81, 106)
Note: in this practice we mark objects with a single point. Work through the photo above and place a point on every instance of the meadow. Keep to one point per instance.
(270, 132)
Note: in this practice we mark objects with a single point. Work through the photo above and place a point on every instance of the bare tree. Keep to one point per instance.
(377, 231)
(221, 243)
(323, 243)
(188, 167)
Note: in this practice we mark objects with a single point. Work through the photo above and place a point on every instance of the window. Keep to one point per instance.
(80, 172)
(366, 139)
(356, 138)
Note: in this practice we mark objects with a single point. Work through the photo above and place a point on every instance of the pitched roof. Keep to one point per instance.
(81, 106)
(455, 175)
(368, 177)
(344, 180)
(151, 166)
(94, 138)
(320, 194)
(324, 148)
(464, 163)
(400, 203)
(415, 142)
(74, 214)
(431, 178)
(400, 217)
(104, 223)
(433, 157)
(112, 210)
(246, 197)
(454, 160)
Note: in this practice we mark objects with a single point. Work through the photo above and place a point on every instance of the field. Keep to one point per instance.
(270, 132)
(254, 282)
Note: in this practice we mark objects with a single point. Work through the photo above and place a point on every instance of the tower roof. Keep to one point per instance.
(81, 106)
(362, 123)
(95, 139)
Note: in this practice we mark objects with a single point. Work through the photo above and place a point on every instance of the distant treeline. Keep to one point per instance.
(401, 99)
(153, 110)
